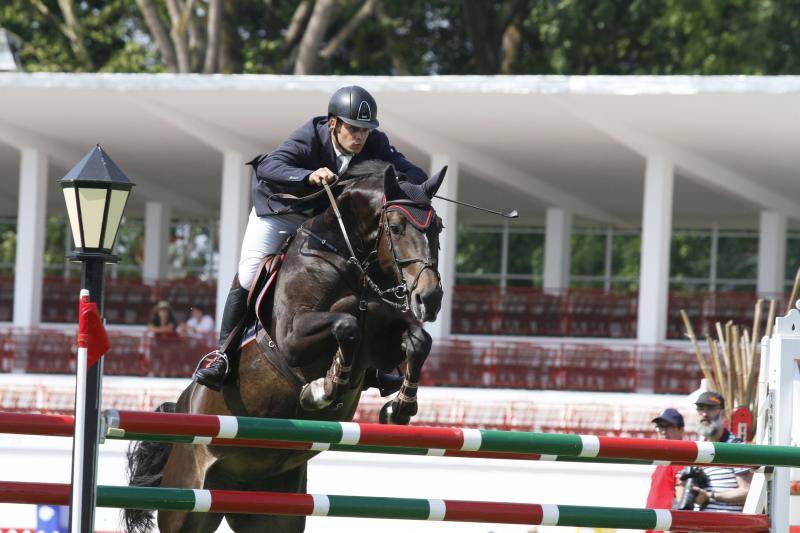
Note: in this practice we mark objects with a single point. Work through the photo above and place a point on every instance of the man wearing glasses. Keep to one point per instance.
(669, 425)
(728, 486)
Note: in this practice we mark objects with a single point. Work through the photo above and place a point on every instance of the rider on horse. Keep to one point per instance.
(314, 154)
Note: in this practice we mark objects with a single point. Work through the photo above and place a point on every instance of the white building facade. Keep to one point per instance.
(623, 152)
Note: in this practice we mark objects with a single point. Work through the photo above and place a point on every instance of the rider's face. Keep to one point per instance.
(350, 138)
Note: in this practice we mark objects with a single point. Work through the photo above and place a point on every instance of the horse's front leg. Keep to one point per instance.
(186, 468)
(316, 334)
(416, 343)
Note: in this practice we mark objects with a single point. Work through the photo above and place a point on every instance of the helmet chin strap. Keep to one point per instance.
(341, 148)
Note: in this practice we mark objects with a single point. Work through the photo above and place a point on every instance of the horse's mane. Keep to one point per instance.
(365, 170)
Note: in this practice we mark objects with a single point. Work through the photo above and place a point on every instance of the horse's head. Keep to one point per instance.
(409, 241)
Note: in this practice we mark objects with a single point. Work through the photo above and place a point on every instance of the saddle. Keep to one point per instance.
(259, 298)
(259, 301)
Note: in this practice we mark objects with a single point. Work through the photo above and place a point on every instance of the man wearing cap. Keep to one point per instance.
(316, 153)
(669, 425)
(728, 486)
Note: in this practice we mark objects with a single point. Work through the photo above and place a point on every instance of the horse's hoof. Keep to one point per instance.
(313, 397)
(388, 416)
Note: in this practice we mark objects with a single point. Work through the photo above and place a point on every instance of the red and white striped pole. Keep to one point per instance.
(77, 497)
(87, 396)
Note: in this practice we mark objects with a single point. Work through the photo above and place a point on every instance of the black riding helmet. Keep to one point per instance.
(354, 105)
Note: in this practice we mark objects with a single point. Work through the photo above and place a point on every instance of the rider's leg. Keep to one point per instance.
(264, 236)
(213, 375)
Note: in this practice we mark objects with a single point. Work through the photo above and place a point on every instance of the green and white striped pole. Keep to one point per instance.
(279, 503)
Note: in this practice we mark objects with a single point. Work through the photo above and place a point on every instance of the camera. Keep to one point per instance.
(691, 477)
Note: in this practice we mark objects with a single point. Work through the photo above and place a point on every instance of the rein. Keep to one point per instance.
(401, 291)
(291, 198)
(353, 258)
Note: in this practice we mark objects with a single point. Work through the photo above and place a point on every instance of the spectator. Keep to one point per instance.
(162, 322)
(728, 486)
(669, 425)
(199, 321)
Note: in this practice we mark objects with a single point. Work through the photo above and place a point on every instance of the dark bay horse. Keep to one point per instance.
(332, 317)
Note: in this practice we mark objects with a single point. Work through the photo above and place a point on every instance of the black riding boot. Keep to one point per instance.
(214, 374)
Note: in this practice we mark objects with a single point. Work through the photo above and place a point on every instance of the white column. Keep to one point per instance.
(31, 219)
(771, 252)
(654, 263)
(504, 257)
(447, 241)
(712, 264)
(557, 245)
(607, 266)
(234, 208)
(156, 240)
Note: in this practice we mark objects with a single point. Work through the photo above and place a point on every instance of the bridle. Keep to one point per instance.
(399, 264)
(401, 291)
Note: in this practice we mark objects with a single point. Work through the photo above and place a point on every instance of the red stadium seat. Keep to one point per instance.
(176, 356)
(182, 294)
(60, 298)
(128, 301)
(6, 351)
(126, 356)
(475, 309)
(45, 351)
(6, 298)
(20, 398)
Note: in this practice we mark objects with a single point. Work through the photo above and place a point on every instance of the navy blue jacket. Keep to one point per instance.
(309, 148)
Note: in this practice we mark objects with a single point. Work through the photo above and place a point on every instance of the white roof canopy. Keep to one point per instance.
(525, 142)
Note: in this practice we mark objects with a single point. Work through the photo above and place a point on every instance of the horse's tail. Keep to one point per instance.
(146, 461)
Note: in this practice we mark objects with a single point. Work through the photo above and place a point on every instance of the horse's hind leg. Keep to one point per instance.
(291, 481)
(416, 343)
(315, 334)
(186, 469)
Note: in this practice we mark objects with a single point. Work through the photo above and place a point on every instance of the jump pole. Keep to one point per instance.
(278, 503)
(61, 426)
(350, 433)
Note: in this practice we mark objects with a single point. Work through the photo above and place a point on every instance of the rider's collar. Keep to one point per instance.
(420, 214)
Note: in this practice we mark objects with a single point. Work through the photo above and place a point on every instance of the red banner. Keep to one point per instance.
(91, 332)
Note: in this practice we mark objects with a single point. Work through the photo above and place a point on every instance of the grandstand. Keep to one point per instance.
(541, 343)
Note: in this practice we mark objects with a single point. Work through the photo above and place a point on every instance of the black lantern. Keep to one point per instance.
(96, 192)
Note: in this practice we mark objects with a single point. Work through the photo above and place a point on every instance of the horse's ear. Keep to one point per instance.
(434, 182)
(390, 186)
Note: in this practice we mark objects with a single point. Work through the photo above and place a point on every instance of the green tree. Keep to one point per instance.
(8, 246)
(690, 257)
(625, 259)
(88, 36)
(587, 258)
(408, 37)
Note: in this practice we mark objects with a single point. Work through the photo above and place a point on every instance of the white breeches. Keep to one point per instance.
(264, 236)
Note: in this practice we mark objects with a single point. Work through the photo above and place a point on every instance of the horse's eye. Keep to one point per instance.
(396, 229)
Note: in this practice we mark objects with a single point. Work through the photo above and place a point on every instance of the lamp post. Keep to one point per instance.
(96, 192)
